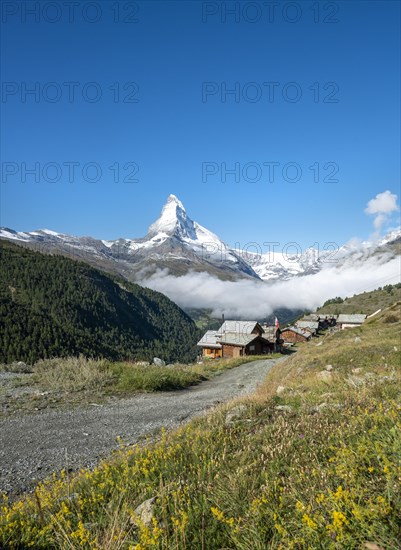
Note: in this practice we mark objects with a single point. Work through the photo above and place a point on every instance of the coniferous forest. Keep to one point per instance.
(51, 306)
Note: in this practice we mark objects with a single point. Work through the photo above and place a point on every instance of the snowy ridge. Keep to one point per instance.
(276, 265)
(176, 240)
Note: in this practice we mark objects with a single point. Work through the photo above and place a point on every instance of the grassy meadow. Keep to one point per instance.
(77, 374)
(311, 460)
(71, 381)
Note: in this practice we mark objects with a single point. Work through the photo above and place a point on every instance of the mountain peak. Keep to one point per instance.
(173, 220)
(176, 200)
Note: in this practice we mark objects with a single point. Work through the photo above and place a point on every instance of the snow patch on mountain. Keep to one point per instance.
(282, 265)
(6, 233)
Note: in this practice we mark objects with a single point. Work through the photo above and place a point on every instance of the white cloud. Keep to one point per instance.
(382, 206)
(383, 203)
(256, 299)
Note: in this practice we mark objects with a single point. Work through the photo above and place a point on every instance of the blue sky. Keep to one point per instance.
(170, 130)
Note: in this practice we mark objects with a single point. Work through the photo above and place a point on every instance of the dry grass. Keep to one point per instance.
(75, 374)
(57, 383)
(72, 374)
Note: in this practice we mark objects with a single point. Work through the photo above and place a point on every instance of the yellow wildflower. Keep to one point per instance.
(338, 520)
(309, 521)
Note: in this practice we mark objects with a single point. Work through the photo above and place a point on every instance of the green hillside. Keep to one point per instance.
(53, 306)
(367, 302)
(203, 318)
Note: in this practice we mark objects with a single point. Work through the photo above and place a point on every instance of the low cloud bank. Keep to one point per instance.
(257, 299)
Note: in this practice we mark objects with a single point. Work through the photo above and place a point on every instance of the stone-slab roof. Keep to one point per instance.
(355, 318)
(241, 327)
(209, 340)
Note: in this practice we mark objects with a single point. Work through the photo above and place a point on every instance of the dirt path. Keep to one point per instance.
(33, 446)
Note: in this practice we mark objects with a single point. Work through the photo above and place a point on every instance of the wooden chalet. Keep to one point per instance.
(292, 335)
(210, 346)
(273, 335)
(237, 345)
(311, 326)
(329, 319)
(238, 338)
(324, 321)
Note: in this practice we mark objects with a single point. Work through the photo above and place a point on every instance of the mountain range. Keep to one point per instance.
(177, 243)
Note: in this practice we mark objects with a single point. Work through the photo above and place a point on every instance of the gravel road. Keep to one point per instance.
(35, 445)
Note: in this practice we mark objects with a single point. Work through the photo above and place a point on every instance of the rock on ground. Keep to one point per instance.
(145, 512)
(325, 376)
